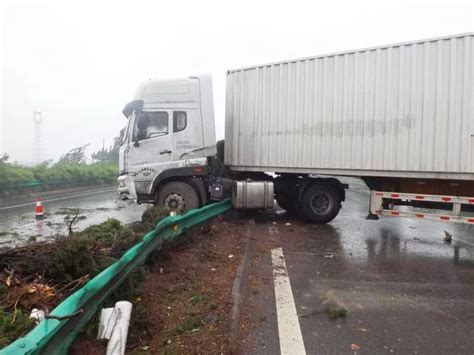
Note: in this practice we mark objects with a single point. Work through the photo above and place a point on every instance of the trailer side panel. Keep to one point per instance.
(405, 110)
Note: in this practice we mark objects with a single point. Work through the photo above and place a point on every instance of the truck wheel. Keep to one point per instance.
(177, 196)
(321, 203)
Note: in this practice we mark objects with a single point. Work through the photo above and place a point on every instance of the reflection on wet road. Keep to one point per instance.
(405, 289)
(18, 225)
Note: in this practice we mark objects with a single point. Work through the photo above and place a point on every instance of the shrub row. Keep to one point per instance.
(18, 178)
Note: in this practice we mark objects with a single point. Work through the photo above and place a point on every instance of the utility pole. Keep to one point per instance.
(37, 119)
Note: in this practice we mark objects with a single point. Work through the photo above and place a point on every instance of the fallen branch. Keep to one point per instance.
(76, 283)
(72, 222)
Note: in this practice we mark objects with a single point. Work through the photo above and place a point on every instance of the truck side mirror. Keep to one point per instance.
(135, 105)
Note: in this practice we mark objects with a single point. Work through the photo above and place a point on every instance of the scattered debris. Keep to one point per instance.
(37, 314)
(447, 237)
(329, 256)
(287, 224)
(355, 347)
(335, 311)
(28, 294)
(41, 274)
(66, 264)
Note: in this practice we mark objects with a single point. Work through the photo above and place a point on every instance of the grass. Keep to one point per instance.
(13, 326)
(3, 292)
(198, 298)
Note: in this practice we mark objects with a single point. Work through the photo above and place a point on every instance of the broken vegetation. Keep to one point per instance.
(41, 274)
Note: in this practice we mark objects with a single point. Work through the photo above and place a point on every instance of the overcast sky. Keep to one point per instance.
(79, 62)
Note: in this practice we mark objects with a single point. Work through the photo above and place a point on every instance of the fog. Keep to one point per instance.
(80, 62)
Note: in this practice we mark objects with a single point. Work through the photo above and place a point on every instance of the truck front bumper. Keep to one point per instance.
(126, 187)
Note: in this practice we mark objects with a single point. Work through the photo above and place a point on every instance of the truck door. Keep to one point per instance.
(187, 134)
(151, 146)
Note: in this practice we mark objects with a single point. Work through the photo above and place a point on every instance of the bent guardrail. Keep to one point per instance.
(54, 336)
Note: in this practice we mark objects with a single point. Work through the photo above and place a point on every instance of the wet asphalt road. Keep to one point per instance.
(405, 290)
(18, 224)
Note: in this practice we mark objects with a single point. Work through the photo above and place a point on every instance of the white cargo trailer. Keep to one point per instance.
(400, 116)
(403, 110)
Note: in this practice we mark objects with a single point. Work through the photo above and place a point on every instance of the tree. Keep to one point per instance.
(74, 156)
(4, 157)
(111, 153)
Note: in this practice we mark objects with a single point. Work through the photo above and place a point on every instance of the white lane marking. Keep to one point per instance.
(85, 193)
(291, 340)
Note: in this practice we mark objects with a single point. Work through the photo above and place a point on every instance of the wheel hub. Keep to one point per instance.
(175, 202)
(321, 203)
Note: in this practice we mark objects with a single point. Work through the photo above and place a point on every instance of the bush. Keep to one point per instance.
(13, 326)
(20, 178)
(90, 251)
(71, 258)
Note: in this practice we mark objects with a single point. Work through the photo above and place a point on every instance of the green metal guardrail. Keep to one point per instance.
(53, 336)
(36, 183)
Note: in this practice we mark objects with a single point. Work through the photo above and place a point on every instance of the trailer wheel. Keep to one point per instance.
(177, 196)
(321, 203)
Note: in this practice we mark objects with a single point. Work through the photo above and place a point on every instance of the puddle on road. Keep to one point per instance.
(393, 244)
(351, 242)
(19, 226)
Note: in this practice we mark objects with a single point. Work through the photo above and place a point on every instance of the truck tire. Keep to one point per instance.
(321, 203)
(177, 196)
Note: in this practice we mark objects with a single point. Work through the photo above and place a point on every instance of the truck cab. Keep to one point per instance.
(169, 136)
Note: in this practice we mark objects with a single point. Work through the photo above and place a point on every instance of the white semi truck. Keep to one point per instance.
(401, 117)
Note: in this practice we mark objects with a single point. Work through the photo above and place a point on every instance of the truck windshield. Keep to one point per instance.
(127, 128)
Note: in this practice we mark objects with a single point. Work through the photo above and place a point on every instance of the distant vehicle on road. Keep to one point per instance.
(400, 117)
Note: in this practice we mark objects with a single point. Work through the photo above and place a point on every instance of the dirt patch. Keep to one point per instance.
(184, 304)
